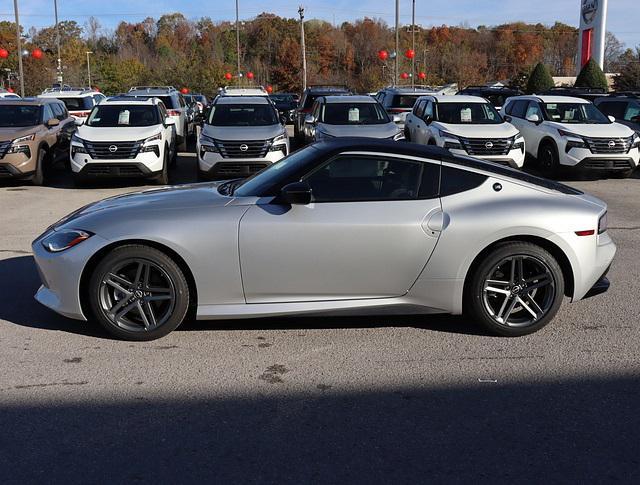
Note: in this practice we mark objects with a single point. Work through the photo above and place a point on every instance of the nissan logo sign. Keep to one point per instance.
(611, 143)
(488, 145)
(113, 148)
(589, 10)
(243, 148)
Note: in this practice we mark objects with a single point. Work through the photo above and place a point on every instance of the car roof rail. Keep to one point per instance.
(150, 88)
(626, 94)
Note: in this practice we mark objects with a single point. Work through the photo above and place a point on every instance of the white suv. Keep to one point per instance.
(466, 125)
(125, 138)
(561, 131)
(241, 136)
(79, 102)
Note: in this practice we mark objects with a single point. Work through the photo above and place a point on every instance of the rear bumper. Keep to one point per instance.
(601, 286)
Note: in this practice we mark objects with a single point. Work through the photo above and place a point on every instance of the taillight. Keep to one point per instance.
(80, 114)
(398, 110)
(603, 223)
(173, 112)
(588, 232)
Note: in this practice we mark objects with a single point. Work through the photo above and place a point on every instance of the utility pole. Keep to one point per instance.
(395, 74)
(89, 68)
(413, 43)
(55, 8)
(304, 50)
(238, 35)
(19, 48)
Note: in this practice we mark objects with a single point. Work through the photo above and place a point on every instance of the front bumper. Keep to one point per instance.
(583, 158)
(19, 165)
(514, 159)
(215, 166)
(9, 171)
(61, 274)
(146, 164)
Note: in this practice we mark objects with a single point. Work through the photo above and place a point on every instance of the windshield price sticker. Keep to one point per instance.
(465, 115)
(123, 117)
(354, 115)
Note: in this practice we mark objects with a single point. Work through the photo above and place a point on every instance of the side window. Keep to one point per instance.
(47, 114)
(58, 111)
(632, 113)
(418, 108)
(428, 110)
(533, 109)
(315, 110)
(163, 112)
(519, 108)
(181, 101)
(363, 178)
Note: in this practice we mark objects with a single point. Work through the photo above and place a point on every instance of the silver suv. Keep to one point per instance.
(399, 101)
(177, 108)
(240, 136)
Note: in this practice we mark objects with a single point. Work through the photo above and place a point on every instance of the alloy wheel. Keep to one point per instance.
(137, 295)
(519, 291)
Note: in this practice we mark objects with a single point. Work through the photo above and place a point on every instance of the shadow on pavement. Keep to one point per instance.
(568, 431)
(19, 281)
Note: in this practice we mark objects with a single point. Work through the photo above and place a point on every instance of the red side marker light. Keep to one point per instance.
(590, 232)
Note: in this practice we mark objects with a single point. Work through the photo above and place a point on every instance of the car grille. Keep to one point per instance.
(112, 170)
(243, 149)
(486, 146)
(104, 149)
(607, 164)
(237, 169)
(4, 147)
(609, 145)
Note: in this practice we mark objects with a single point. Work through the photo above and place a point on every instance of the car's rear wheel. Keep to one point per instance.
(517, 289)
(138, 293)
(548, 159)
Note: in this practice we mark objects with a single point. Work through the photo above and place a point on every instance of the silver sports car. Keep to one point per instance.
(348, 225)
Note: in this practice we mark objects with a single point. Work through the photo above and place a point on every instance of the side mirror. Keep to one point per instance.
(310, 119)
(507, 118)
(283, 120)
(169, 121)
(611, 118)
(296, 193)
(53, 122)
(533, 118)
(428, 119)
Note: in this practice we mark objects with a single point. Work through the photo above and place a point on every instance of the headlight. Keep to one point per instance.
(62, 240)
(518, 142)
(279, 139)
(24, 139)
(636, 140)
(206, 140)
(574, 141)
(156, 137)
(453, 142)
(76, 139)
(279, 144)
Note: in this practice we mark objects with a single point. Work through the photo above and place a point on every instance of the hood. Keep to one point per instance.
(181, 197)
(502, 130)
(123, 133)
(608, 130)
(243, 133)
(11, 133)
(386, 130)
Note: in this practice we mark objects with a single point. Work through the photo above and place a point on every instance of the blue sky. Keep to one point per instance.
(624, 15)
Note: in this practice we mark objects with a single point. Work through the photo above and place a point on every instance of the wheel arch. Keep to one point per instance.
(551, 247)
(546, 139)
(95, 259)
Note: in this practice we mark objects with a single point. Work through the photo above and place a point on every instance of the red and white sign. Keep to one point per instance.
(593, 28)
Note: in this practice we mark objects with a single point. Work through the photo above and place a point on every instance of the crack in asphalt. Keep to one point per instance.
(16, 251)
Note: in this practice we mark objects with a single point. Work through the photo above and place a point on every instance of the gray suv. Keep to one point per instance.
(399, 101)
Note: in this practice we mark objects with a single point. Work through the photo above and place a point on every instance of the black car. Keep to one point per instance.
(624, 107)
(590, 94)
(309, 95)
(496, 95)
(285, 104)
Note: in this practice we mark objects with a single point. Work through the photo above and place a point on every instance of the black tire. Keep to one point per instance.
(174, 155)
(131, 325)
(548, 159)
(38, 176)
(163, 177)
(623, 174)
(183, 144)
(297, 134)
(407, 135)
(543, 296)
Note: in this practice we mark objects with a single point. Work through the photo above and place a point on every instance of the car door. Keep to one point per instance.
(423, 127)
(64, 130)
(533, 132)
(413, 117)
(364, 235)
(516, 111)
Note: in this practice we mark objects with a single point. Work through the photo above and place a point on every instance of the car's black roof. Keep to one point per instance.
(337, 145)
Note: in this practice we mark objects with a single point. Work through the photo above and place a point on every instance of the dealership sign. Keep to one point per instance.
(593, 26)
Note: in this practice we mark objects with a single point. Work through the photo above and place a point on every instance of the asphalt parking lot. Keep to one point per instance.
(332, 400)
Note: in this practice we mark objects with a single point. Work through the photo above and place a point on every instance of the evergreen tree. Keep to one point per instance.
(591, 76)
(540, 79)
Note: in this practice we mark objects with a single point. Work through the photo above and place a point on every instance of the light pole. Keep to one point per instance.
(55, 8)
(413, 43)
(89, 67)
(304, 49)
(238, 34)
(19, 48)
(395, 74)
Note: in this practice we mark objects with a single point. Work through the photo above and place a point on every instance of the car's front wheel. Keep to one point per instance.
(517, 289)
(138, 293)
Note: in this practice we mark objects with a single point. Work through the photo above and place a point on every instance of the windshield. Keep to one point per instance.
(243, 115)
(468, 113)
(78, 104)
(404, 100)
(575, 113)
(123, 115)
(353, 114)
(16, 116)
(282, 98)
(274, 175)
